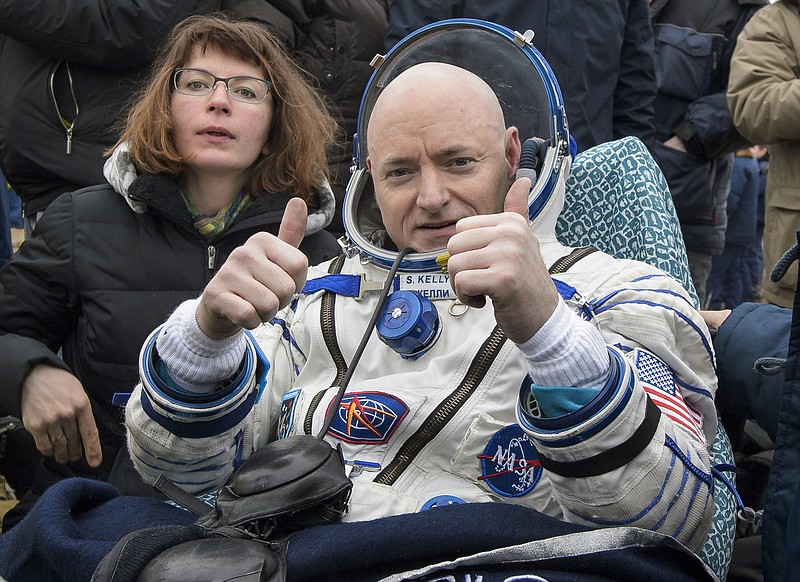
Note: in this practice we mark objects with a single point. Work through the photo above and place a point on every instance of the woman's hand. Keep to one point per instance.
(57, 413)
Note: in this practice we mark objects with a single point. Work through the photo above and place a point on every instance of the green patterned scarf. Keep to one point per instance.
(211, 225)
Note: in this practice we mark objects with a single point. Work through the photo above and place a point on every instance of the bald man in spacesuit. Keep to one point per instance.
(585, 394)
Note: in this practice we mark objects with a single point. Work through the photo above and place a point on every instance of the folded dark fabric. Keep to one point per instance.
(74, 524)
(485, 541)
(77, 522)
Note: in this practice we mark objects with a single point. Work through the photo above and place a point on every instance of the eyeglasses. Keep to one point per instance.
(197, 83)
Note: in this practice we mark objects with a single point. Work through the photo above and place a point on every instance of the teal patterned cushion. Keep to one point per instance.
(618, 201)
(718, 548)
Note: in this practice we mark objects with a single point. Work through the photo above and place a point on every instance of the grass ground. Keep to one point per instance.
(7, 500)
(17, 237)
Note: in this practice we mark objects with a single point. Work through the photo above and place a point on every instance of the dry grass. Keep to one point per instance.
(17, 236)
(7, 500)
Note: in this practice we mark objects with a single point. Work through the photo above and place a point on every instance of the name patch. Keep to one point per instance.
(430, 285)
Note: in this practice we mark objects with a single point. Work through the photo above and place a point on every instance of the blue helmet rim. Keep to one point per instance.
(558, 140)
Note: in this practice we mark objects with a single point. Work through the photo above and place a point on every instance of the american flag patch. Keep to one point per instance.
(658, 381)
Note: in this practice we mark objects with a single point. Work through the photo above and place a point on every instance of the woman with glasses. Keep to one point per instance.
(224, 133)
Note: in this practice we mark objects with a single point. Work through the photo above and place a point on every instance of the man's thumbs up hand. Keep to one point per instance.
(258, 279)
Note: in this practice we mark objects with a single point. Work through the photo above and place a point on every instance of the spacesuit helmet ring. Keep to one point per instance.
(529, 97)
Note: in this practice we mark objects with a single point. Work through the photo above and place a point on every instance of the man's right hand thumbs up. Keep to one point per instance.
(258, 279)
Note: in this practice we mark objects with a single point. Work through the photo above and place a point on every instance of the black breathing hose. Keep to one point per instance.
(387, 286)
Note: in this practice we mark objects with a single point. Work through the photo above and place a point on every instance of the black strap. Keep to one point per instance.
(181, 497)
(613, 458)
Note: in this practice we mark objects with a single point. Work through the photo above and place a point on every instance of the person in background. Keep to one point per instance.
(74, 68)
(76, 71)
(224, 133)
(756, 347)
(334, 41)
(602, 55)
(755, 257)
(764, 99)
(729, 282)
(695, 136)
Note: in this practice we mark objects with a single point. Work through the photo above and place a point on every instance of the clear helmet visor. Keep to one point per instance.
(528, 94)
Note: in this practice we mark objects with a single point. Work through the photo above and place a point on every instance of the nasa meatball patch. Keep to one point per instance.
(368, 418)
(509, 464)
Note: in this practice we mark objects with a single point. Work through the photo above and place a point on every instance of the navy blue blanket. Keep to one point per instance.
(73, 525)
(77, 522)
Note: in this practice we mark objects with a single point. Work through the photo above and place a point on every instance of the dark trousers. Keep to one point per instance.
(699, 269)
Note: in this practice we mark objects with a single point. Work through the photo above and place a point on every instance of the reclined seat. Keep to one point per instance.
(618, 201)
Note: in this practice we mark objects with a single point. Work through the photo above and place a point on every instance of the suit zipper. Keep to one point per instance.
(212, 257)
(433, 425)
(328, 327)
(480, 365)
(565, 263)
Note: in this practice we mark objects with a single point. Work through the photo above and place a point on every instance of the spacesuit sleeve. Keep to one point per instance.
(636, 453)
(196, 432)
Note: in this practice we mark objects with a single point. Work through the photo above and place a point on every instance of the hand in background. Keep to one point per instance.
(715, 318)
(676, 143)
(57, 413)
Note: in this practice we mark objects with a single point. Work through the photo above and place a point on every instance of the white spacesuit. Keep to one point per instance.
(444, 410)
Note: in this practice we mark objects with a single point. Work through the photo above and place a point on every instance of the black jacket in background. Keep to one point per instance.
(96, 278)
(601, 53)
(109, 46)
(694, 44)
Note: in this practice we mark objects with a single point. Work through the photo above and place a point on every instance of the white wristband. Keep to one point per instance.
(567, 351)
(195, 361)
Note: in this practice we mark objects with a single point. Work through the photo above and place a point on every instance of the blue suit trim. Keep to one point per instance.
(227, 406)
(592, 408)
(198, 430)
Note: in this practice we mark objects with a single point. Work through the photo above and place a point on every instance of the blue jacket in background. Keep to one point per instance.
(743, 201)
(694, 41)
(781, 534)
(752, 331)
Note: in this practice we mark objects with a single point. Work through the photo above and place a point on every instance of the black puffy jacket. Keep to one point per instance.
(105, 47)
(96, 278)
(601, 53)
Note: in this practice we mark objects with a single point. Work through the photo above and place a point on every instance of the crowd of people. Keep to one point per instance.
(181, 301)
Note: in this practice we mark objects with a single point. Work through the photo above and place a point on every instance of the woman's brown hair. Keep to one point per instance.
(302, 128)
